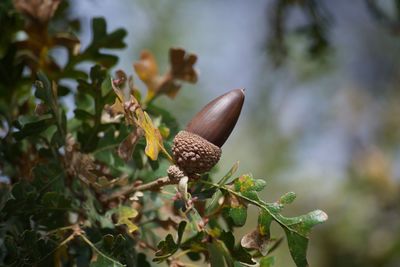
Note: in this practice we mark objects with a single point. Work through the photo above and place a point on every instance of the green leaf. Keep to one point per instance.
(107, 40)
(105, 262)
(229, 173)
(168, 247)
(240, 254)
(246, 183)
(302, 224)
(195, 220)
(215, 256)
(214, 203)
(33, 125)
(267, 261)
(226, 245)
(238, 215)
(43, 89)
(297, 247)
(106, 86)
(142, 261)
(83, 115)
(264, 223)
(287, 198)
(49, 133)
(297, 230)
(102, 39)
(247, 186)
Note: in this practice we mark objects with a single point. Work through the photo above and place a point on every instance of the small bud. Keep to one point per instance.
(198, 148)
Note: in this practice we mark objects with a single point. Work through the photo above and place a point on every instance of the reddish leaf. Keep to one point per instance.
(182, 65)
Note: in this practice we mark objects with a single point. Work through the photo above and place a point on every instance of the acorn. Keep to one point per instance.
(198, 148)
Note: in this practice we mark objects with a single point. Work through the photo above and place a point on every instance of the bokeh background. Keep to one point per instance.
(322, 113)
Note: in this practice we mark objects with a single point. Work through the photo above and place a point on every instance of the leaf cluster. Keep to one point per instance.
(81, 151)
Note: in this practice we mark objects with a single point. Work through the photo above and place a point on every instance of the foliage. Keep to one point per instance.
(315, 29)
(72, 189)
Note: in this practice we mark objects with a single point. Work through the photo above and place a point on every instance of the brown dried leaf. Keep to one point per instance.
(254, 240)
(170, 87)
(168, 216)
(147, 70)
(123, 106)
(79, 164)
(116, 108)
(181, 69)
(126, 148)
(40, 10)
(121, 78)
(182, 65)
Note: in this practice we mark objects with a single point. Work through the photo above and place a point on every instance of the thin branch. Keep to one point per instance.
(98, 251)
(156, 184)
(68, 239)
(69, 227)
(151, 186)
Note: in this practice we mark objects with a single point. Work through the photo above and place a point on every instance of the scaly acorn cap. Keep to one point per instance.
(198, 148)
(194, 154)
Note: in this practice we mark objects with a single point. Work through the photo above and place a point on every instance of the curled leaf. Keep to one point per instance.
(153, 137)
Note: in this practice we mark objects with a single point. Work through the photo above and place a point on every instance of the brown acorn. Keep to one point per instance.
(198, 148)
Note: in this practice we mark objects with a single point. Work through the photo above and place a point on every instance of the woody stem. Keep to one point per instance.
(150, 186)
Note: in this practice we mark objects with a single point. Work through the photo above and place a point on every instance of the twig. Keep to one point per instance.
(69, 238)
(151, 186)
(99, 252)
(156, 184)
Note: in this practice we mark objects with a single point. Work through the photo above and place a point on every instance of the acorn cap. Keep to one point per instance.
(217, 119)
(194, 154)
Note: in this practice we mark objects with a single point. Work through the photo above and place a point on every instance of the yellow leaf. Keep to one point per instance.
(124, 215)
(153, 137)
(131, 226)
(125, 212)
(147, 70)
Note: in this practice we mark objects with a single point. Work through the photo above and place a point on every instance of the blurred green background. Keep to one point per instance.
(322, 114)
